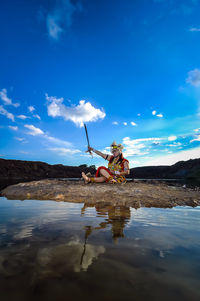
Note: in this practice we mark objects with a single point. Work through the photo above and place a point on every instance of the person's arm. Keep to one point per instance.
(105, 156)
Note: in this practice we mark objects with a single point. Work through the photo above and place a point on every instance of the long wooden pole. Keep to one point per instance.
(86, 132)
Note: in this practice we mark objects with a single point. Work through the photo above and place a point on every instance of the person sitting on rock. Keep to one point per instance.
(118, 167)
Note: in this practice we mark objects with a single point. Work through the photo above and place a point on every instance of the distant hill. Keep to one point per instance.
(36, 169)
(181, 170)
(15, 171)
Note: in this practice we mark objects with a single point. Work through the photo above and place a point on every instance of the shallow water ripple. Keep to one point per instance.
(50, 250)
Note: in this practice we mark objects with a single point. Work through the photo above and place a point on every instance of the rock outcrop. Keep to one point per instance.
(181, 170)
(133, 194)
(16, 171)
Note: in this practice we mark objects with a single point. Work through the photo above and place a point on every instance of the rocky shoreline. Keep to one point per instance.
(133, 194)
(16, 171)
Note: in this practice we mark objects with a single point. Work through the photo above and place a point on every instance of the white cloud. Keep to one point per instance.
(64, 151)
(58, 141)
(60, 18)
(20, 139)
(132, 163)
(192, 29)
(6, 113)
(37, 116)
(127, 140)
(172, 138)
(129, 152)
(158, 115)
(144, 146)
(115, 123)
(134, 147)
(23, 117)
(131, 148)
(7, 101)
(84, 112)
(14, 128)
(133, 123)
(174, 158)
(31, 109)
(138, 114)
(196, 139)
(194, 77)
(38, 132)
(175, 144)
(54, 29)
(106, 150)
(24, 152)
(197, 130)
(33, 130)
(124, 123)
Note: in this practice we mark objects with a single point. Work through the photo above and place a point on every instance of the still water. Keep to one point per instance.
(65, 251)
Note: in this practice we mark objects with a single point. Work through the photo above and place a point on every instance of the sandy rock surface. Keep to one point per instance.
(134, 194)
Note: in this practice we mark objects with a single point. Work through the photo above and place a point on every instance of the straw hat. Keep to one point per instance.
(114, 145)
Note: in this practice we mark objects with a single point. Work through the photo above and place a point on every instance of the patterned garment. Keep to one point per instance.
(112, 167)
(118, 179)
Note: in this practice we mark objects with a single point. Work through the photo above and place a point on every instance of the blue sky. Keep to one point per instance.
(129, 69)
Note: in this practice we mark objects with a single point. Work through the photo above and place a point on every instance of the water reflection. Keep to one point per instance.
(80, 255)
(50, 251)
(116, 216)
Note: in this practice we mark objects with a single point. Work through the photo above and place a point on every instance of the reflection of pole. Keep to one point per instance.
(87, 233)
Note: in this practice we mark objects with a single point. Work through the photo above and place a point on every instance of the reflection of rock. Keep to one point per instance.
(130, 194)
(57, 260)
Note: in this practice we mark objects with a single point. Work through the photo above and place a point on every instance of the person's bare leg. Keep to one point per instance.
(96, 179)
(105, 174)
(100, 179)
(85, 178)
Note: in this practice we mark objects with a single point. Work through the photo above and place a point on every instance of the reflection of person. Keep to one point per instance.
(118, 166)
(118, 216)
